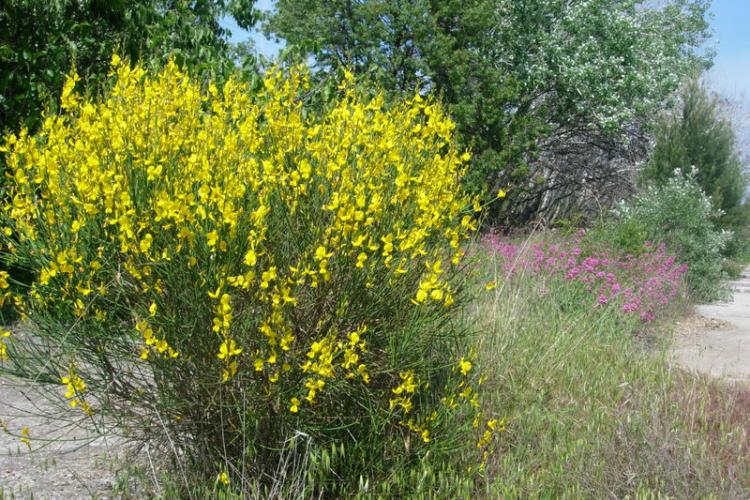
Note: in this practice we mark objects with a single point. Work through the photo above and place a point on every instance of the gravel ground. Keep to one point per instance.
(66, 461)
(716, 341)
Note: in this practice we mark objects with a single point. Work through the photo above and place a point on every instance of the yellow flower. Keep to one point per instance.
(86, 408)
(223, 478)
(320, 253)
(152, 172)
(408, 384)
(25, 437)
(294, 407)
(361, 258)
(227, 349)
(268, 276)
(501, 194)
(162, 346)
(229, 372)
(68, 99)
(224, 303)
(425, 436)
(362, 371)
(251, 258)
(465, 366)
(358, 241)
(145, 243)
(212, 238)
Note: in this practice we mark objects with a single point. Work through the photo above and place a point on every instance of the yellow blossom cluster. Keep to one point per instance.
(152, 342)
(238, 238)
(4, 335)
(4, 295)
(75, 388)
(404, 391)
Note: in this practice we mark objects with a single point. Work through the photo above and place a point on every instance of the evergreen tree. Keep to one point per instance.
(697, 135)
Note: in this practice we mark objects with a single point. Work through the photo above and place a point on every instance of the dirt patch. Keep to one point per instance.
(715, 340)
(694, 324)
(66, 458)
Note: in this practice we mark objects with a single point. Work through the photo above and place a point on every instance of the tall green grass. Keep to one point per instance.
(594, 407)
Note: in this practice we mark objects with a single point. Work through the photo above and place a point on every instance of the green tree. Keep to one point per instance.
(40, 39)
(513, 73)
(697, 135)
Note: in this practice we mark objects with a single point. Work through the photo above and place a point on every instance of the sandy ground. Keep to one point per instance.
(65, 461)
(716, 341)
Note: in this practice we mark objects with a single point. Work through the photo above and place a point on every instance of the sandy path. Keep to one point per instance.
(717, 341)
(65, 462)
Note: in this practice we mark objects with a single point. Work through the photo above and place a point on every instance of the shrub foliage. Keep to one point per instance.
(221, 271)
(680, 214)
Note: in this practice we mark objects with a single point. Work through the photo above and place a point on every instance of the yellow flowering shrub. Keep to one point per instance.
(220, 269)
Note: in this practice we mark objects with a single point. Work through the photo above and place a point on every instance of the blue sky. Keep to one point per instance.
(268, 48)
(730, 75)
(731, 26)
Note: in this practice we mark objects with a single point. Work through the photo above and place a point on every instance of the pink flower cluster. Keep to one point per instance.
(640, 284)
